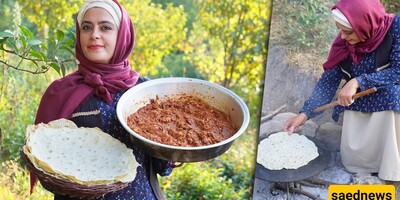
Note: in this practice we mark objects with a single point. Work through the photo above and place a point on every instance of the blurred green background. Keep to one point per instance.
(224, 42)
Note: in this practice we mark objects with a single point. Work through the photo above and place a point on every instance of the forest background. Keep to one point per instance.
(221, 41)
(224, 42)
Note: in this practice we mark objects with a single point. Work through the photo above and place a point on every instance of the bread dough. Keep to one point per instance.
(83, 155)
(284, 151)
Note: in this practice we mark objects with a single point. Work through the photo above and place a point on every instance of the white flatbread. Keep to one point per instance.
(284, 151)
(83, 155)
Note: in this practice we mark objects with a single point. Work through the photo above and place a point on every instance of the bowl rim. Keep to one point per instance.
(241, 103)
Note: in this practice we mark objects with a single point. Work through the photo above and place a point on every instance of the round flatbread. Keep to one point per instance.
(83, 155)
(284, 151)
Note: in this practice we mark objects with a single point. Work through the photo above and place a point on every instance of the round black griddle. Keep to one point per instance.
(291, 175)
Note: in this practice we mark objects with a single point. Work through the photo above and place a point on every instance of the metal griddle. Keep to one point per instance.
(291, 175)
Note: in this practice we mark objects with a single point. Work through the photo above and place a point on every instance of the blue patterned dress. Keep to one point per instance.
(370, 140)
(386, 98)
(103, 115)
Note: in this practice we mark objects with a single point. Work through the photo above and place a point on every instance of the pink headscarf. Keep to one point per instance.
(64, 95)
(369, 21)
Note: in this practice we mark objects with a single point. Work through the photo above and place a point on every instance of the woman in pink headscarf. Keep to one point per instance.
(88, 96)
(366, 53)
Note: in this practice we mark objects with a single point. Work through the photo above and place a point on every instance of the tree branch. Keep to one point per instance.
(25, 70)
(33, 59)
(21, 56)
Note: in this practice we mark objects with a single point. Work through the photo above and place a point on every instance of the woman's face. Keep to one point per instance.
(98, 35)
(348, 34)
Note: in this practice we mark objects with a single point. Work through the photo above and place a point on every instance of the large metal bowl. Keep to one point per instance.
(215, 95)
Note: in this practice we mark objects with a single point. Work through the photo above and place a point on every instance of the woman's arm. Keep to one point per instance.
(323, 92)
(390, 75)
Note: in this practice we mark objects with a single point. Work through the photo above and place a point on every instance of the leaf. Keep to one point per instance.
(51, 48)
(6, 34)
(2, 40)
(23, 40)
(34, 42)
(63, 47)
(26, 32)
(60, 35)
(43, 46)
(12, 45)
(55, 67)
(37, 54)
(69, 42)
(63, 69)
(34, 62)
(19, 44)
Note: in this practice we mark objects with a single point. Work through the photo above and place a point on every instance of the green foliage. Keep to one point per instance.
(21, 46)
(191, 8)
(19, 97)
(228, 46)
(50, 15)
(232, 36)
(392, 6)
(200, 181)
(22, 51)
(177, 66)
(229, 176)
(238, 162)
(5, 14)
(158, 33)
(14, 184)
(307, 29)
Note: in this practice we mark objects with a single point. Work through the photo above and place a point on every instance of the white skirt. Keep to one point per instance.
(371, 143)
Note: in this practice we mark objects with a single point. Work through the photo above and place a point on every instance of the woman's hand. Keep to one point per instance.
(293, 124)
(175, 164)
(345, 96)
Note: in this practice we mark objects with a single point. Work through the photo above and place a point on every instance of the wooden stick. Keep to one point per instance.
(320, 182)
(270, 116)
(297, 191)
(355, 96)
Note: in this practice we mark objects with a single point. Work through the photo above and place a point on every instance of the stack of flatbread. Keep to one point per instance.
(284, 151)
(85, 156)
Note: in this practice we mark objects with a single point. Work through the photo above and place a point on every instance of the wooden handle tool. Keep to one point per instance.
(355, 96)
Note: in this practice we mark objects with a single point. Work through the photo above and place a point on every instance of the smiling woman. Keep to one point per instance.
(167, 36)
(88, 96)
(98, 35)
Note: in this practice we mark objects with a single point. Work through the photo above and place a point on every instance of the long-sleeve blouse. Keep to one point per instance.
(387, 81)
(97, 113)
